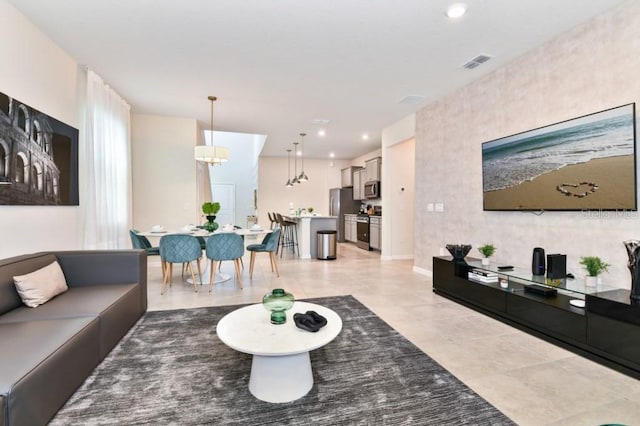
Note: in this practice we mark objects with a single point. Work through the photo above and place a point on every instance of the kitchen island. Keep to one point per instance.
(308, 226)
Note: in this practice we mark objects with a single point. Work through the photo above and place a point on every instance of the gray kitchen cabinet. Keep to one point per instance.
(346, 180)
(350, 228)
(373, 169)
(375, 233)
(358, 184)
(347, 227)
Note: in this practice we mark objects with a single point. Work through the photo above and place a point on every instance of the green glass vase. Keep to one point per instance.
(211, 224)
(278, 302)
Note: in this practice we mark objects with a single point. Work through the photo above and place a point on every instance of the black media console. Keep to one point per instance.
(606, 330)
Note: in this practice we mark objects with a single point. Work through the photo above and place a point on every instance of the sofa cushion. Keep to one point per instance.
(20, 265)
(117, 305)
(43, 363)
(41, 285)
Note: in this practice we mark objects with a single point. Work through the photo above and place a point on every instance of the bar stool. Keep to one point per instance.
(272, 219)
(289, 236)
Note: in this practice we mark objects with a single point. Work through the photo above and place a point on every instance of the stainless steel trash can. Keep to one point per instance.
(327, 244)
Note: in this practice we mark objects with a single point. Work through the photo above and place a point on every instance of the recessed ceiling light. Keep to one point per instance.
(456, 10)
(321, 133)
(331, 155)
(365, 137)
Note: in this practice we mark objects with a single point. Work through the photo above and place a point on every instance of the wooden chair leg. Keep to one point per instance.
(236, 262)
(251, 263)
(193, 277)
(274, 263)
(212, 275)
(165, 276)
(199, 274)
(170, 274)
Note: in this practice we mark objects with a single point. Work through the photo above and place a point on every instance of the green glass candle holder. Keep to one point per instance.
(278, 302)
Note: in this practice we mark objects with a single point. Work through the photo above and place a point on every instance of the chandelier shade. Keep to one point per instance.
(210, 153)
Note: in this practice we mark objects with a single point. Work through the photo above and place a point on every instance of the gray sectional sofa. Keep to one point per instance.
(48, 351)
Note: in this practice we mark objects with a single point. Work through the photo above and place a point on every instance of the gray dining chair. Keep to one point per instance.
(179, 248)
(225, 246)
(142, 242)
(269, 245)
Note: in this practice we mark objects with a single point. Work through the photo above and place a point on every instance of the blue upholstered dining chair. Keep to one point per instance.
(225, 246)
(142, 242)
(269, 245)
(179, 248)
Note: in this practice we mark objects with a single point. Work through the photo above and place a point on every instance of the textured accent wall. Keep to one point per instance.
(593, 67)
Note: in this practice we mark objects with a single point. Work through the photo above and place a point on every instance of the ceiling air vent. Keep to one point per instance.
(477, 61)
(413, 99)
(320, 121)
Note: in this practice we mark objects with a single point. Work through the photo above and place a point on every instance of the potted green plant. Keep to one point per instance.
(210, 209)
(487, 251)
(594, 266)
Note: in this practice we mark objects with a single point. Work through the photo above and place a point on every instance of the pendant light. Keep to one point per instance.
(295, 162)
(210, 153)
(303, 177)
(288, 184)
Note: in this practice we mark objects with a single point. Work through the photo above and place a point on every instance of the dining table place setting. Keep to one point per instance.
(198, 231)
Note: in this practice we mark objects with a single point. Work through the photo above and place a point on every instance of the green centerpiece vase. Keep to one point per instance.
(211, 224)
(278, 302)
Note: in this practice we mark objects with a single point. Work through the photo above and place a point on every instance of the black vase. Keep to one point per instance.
(633, 250)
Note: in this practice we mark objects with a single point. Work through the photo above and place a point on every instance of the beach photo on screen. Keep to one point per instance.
(586, 163)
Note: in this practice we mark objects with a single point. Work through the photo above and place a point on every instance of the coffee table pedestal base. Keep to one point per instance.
(281, 378)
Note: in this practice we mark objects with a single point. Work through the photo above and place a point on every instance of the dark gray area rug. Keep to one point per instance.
(172, 369)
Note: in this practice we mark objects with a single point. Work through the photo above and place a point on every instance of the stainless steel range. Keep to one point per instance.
(362, 226)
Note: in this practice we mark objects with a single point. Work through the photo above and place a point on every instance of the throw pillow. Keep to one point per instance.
(40, 286)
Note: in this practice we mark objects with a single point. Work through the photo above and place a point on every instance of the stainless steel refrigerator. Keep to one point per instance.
(340, 202)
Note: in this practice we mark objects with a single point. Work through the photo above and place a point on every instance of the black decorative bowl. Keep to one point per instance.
(458, 251)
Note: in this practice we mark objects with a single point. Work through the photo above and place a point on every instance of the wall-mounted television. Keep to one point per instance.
(585, 163)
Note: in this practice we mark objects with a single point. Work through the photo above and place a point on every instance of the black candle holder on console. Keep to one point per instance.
(458, 251)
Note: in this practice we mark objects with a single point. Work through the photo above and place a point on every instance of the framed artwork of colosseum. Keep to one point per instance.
(38, 157)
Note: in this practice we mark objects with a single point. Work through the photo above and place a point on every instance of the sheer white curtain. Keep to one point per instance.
(105, 164)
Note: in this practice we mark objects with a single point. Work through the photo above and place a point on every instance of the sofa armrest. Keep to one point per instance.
(100, 267)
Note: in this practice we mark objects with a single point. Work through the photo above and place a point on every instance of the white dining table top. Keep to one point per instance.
(197, 232)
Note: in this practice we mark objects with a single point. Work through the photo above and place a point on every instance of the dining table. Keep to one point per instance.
(248, 235)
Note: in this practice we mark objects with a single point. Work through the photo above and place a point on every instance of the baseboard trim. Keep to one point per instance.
(422, 271)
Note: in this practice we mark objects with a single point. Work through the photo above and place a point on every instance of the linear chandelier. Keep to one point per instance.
(210, 153)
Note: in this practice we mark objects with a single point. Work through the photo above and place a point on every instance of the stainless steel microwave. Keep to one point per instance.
(372, 189)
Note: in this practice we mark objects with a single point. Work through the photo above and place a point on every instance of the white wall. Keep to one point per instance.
(273, 196)
(164, 171)
(592, 67)
(39, 73)
(398, 173)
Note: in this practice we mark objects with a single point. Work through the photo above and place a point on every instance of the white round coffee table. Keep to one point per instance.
(281, 367)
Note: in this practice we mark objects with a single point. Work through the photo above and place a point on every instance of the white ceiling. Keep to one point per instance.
(276, 65)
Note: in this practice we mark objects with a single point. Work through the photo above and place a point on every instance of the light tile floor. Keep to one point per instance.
(531, 381)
